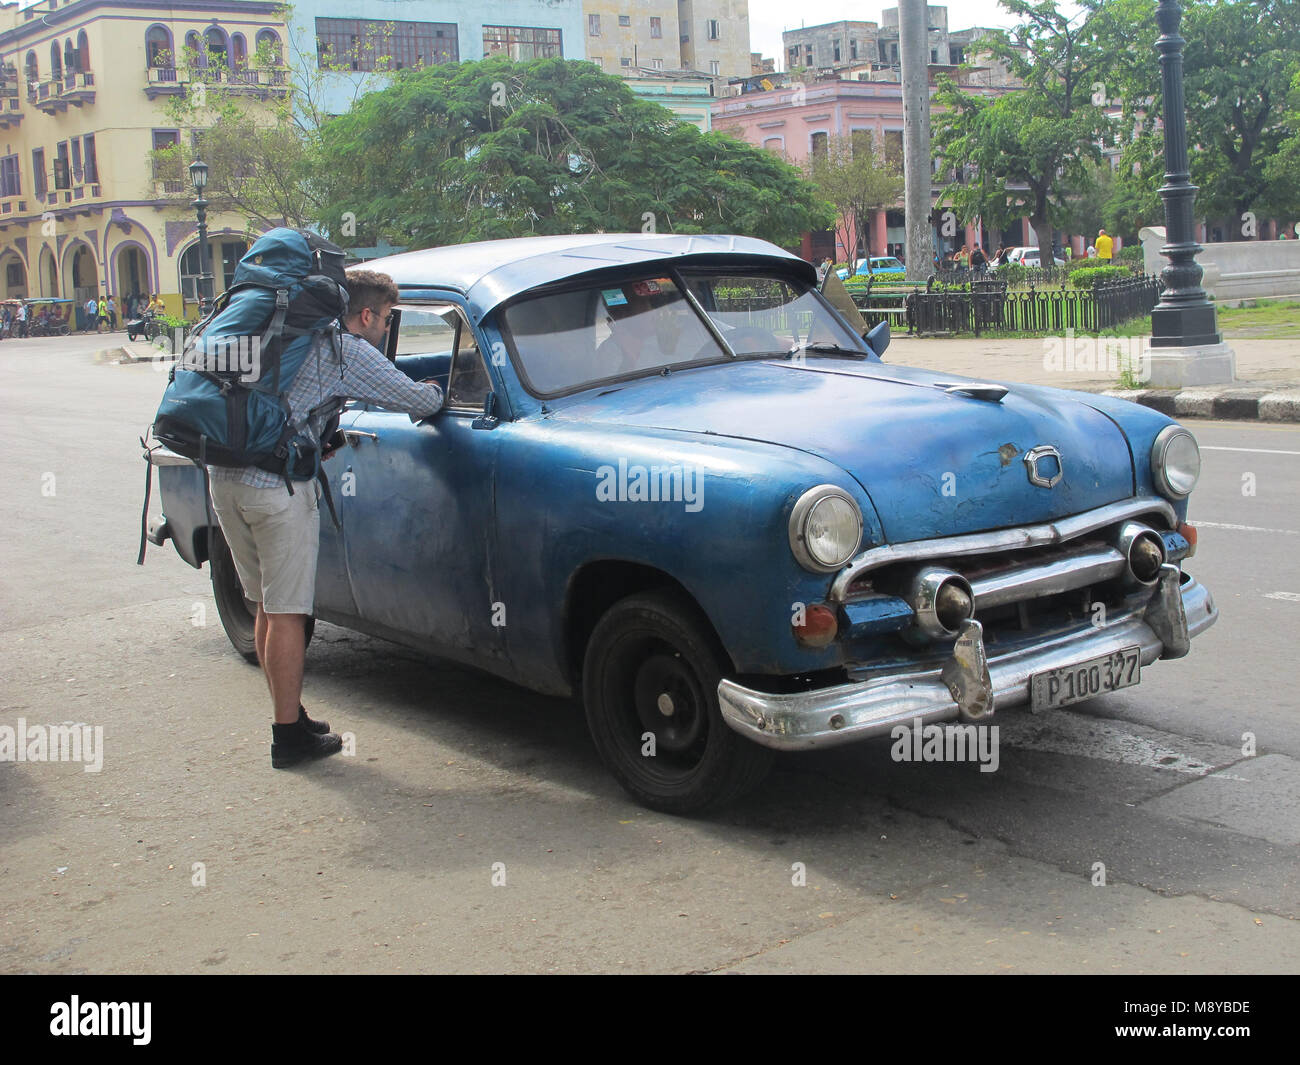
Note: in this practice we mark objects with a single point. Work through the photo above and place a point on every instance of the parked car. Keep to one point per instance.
(1029, 257)
(671, 480)
(881, 266)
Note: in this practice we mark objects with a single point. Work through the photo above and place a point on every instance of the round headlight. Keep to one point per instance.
(1175, 462)
(825, 528)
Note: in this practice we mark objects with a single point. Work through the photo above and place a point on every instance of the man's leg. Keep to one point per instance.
(282, 661)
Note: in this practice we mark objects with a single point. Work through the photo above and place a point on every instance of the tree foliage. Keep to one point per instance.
(1024, 152)
(471, 151)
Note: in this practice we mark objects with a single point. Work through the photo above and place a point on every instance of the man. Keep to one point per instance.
(1104, 247)
(112, 314)
(92, 312)
(274, 536)
(22, 319)
(101, 321)
(979, 261)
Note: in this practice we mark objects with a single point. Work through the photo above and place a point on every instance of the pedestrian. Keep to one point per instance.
(963, 257)
(979, 261)
(21, 315)
(1104, 246)
(112, 314)
(823, 270)
(92, 313)
(1069, 252)
(274, 536)
(101, 315)
(6, 319)
(1092, 252)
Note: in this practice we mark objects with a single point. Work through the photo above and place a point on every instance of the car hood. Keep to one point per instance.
(932, 462)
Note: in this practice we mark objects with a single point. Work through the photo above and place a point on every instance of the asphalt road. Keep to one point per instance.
(386, 861)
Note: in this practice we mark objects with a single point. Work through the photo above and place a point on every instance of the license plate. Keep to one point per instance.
(1073, 684)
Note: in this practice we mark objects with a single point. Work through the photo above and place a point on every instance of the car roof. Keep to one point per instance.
(490, 272)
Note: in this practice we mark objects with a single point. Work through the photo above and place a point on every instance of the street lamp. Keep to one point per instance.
(1187, 347)
(199, 179)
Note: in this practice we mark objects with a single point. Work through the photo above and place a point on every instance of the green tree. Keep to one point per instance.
(471, 151)
(856, 180)
(1238, 62)
(1283, 166)
(1026, 151)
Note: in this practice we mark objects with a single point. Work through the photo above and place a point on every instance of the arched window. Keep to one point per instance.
(83, 51)
(268, 42)
(239, 51)
(70, 57)
(33, 69)
(218, 50)
(56, 61)
(194, 49)
(158, 47)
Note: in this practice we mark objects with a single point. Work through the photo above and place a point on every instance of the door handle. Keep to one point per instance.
(353, 436)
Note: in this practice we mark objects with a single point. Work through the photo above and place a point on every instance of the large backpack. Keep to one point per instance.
(226, 401)
(226, 397)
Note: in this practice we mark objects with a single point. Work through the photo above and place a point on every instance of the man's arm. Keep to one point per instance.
(371, 378)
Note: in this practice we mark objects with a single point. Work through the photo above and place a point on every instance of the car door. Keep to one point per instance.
(417, 499)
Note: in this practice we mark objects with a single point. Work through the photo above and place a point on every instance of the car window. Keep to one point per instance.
(470, 382)
(757, 315)
(426, 329)
(567, 340)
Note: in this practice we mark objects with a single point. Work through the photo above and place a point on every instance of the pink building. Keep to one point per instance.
(798, 119)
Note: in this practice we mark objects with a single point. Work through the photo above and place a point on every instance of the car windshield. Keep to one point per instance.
(565, 341)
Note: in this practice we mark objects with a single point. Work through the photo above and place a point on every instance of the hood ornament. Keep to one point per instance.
(1039, 462)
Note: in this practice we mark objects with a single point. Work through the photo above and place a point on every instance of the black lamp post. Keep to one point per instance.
(199, 178)
(1184, 317)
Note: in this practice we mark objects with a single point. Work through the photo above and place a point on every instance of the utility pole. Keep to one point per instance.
(914, 54)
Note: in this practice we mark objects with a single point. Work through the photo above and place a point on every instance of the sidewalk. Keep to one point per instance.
(1267, 386)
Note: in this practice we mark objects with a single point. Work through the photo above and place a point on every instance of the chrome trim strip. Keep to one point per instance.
(1013, 539)
(1078, 569)
(856, 710)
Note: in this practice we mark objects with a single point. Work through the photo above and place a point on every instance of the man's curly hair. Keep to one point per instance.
(369, 288)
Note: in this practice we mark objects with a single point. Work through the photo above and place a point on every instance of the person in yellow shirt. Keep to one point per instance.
(1104, 246)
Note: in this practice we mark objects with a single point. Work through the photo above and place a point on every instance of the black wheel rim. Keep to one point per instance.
(651, 689)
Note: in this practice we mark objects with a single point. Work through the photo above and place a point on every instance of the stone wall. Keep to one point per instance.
(1243, 269)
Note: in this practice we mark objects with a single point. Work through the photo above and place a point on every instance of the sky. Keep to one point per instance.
(767, 18)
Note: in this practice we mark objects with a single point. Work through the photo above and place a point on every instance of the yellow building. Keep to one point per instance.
(83, 91)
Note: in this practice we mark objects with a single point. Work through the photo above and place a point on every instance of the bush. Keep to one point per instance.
(1089, 276)
(1130, 253)
(1012, 274)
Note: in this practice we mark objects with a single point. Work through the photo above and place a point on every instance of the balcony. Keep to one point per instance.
(262, 84)
(55, 94)
(11, 109)
(79, 88)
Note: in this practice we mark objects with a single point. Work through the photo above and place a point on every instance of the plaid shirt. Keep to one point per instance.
(324, 382)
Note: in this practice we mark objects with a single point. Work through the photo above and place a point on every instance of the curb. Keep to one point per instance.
(1233, 403)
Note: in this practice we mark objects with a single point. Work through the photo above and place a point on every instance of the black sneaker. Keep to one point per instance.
(318, 727)
(295, 743)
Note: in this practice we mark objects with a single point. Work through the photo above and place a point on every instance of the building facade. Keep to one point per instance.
(701, 36)
(82, 105)
(352, 44)
(798, 120)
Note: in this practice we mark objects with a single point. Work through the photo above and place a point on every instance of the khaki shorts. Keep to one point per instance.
(274, 538)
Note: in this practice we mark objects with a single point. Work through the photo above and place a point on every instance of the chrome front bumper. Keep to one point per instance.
(847, 712)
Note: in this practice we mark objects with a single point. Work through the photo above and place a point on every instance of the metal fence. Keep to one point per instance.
(988, 307)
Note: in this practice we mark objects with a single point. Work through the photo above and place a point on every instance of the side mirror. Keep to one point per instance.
(878, 338)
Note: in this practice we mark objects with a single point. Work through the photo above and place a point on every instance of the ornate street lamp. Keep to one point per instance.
(199, 179)
(1184, 318)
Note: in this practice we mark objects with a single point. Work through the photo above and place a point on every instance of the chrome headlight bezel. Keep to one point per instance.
(1159, 462)
(799, 517)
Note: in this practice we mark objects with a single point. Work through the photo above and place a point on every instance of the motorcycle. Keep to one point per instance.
(146, 325)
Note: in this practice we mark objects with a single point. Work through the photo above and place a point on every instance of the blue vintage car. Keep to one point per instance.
(672, 480)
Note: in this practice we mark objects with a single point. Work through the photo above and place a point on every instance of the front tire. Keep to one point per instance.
(238, 614)
(652, 669)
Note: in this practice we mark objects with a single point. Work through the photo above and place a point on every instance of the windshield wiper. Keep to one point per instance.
(823, 348)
